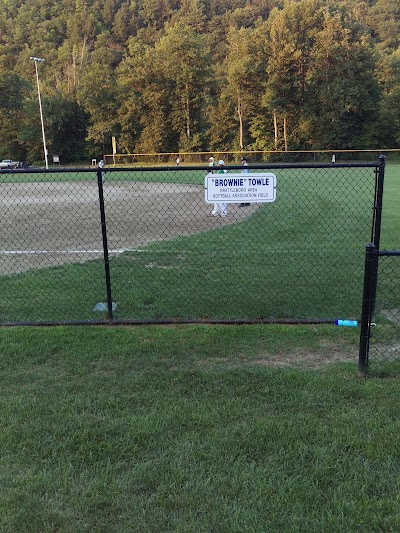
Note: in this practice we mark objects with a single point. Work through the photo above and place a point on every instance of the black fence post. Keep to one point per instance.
(368, 298)
(376, 238)
(376, 230)
(100, 179)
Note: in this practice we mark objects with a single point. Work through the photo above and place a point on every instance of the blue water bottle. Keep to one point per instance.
(347, 323)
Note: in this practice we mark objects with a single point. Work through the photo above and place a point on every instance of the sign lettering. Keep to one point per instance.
(239, 188)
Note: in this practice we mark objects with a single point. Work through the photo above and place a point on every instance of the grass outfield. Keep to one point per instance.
(390, 213)
(195, 429)
(300, 257)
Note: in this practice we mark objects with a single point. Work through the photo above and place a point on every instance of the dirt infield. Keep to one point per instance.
(47, 224)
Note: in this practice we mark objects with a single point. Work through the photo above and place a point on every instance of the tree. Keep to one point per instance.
(243, 77)
(183, 59)
(344, 93)
(222, 132)
(155, 12)
(97, 92)
(144, 107)
(13, 91)
(389, 117)
(167, 84)
(291, 34)
(192, 14)
(65, 129)
(125, 23)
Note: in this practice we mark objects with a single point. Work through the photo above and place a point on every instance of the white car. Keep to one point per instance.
(7, 163)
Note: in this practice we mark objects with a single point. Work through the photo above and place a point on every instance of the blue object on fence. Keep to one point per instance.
(348, 323)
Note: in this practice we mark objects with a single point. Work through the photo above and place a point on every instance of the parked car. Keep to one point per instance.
(8, 163)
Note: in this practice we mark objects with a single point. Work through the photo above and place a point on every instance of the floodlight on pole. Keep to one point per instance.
(40, 60)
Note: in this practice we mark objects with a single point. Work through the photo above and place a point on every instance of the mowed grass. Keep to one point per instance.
(390, 239)
(140, 174)
(300, 257)
(195, 429)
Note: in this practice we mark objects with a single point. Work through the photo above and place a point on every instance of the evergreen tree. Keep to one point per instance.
(344, 94)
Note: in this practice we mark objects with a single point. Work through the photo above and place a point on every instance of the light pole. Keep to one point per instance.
(40, 60)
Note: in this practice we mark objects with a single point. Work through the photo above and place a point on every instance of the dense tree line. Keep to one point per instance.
(189, 75)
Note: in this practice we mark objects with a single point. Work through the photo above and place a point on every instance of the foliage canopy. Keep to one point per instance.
(170, 75)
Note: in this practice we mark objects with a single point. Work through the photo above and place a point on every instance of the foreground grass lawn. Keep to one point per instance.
(195, 429)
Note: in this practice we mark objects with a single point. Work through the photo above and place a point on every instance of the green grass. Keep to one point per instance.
(300, 257)
(141, 174)
(390, 213)
(194, 429)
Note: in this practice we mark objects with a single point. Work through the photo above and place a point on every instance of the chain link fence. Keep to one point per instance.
(142, 246)
(385, 328)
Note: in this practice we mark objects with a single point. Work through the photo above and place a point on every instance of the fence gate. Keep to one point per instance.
(138, 245)
(380, 325)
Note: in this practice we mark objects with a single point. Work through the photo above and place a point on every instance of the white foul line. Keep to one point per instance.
(33, 252)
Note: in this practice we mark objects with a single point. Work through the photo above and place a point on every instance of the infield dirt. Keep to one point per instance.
(46, 224)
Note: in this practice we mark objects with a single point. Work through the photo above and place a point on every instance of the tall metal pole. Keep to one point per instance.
(36, 59)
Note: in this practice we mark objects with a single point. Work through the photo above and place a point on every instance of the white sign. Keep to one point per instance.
(240, 188)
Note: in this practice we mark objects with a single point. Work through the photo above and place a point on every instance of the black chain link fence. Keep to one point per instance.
(385, 328)
(299, 258)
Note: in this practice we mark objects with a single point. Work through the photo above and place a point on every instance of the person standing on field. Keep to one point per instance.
(220, 209)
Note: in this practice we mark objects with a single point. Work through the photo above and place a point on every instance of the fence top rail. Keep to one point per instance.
(235, 152)
(181, 168)
(389, 252)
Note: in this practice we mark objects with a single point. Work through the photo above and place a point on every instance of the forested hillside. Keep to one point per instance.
(169, 75)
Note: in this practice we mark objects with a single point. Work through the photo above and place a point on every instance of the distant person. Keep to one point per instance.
(333, 158)
(211, 162)
(220, 209)
(101, 166)
(244, 171)
(178, 161)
